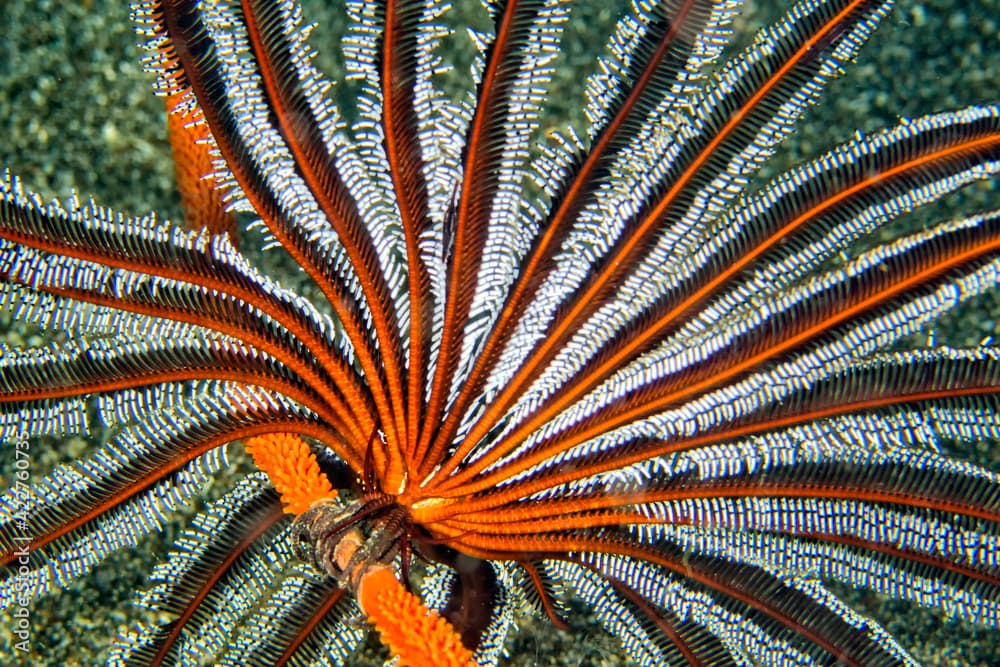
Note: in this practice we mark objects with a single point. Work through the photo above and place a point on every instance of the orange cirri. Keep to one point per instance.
(624, 367)
(291, 466)
(419, 637)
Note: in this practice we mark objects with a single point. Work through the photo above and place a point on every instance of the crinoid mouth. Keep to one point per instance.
(346, 541)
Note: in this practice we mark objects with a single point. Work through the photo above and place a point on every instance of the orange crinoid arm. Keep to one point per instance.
(201, 201)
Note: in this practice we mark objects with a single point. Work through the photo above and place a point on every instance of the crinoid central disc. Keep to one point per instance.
(346, 540)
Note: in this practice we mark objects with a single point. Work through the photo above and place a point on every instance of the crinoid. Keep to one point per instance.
(635, 366)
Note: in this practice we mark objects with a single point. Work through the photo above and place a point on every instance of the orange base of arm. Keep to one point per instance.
(418, 635)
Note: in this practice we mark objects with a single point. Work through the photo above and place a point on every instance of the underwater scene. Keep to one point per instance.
(534, 333)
